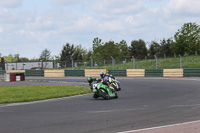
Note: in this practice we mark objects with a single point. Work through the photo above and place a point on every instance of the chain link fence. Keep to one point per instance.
(174, 62)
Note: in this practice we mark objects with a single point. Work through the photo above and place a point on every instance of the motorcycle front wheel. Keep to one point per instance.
(104, 95)
(115, 87)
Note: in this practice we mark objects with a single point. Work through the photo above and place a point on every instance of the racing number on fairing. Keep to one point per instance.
(94, 85)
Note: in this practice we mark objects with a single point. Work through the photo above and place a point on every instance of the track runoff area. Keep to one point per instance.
(145, 105)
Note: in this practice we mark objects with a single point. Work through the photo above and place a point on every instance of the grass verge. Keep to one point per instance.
(14, 94)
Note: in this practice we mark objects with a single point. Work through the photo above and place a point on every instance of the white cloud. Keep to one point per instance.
(85, 23)
(10, 3)
(69, 2)
(137, 20)
(7, 17)
(111, 26)
(41, 24)
(119, 6)
(65, 2)
(183, 7)
(155, 0)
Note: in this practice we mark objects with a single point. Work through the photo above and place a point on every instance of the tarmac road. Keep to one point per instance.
(142, 103)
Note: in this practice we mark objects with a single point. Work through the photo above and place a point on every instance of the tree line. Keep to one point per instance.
(186, 41)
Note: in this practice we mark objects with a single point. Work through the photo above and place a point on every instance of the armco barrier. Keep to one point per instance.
(77, 73)
(94, 72)
(34, 73)
(153, 72)
(135, 72)
(54, 73)
(117, 72)
(172, 72)
(191, 72)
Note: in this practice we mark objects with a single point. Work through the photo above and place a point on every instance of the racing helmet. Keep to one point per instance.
(101, 74)
(90, 79)
(105, 81)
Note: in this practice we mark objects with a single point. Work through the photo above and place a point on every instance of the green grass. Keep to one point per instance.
(170, 63)
(163, 63)
(33, 93)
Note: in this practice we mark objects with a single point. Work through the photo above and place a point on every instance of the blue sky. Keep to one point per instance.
(29, 26)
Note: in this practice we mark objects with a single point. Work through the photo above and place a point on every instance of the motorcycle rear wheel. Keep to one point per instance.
(116, 96)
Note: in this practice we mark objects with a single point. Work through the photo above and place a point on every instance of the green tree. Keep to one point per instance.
(165, 47)
(97, 49)
(154, 49)
(2, 63)
(45, 55)
(110, 49)
(122, 50)
(187, 39)
(16, 58)
(10, 58)
(88, 55)
(33, 60)
(57, 58)
(96, 43)
(138, 49)
(24, 59)
(66, 55)
(79, 53)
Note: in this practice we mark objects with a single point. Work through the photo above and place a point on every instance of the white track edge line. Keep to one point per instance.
(151, 128)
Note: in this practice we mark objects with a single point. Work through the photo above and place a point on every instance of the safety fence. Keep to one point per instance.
(173, 73)
(39, 73)
(94, 72)
(191, 72)
(75, 73)
(15, 71)
(117, 73)
(153, 72)
(54, 73)
(135, 72)
(2, 72)
(121, 73)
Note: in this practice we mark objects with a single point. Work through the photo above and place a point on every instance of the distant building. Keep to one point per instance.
(27, 65)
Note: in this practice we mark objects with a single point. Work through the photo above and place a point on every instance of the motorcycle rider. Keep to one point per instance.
(103, 75)
(106, 81)
(90, 80)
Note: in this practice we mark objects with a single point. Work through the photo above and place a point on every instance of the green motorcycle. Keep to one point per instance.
(101, 90)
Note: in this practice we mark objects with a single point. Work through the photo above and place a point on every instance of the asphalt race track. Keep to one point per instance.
(142, 103)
